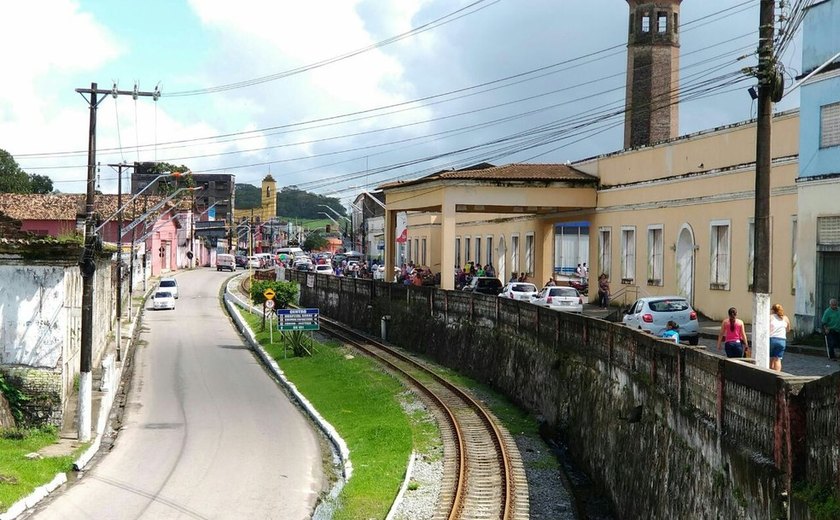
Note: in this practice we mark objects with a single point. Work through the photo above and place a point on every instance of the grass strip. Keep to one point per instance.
(19, 476)
(363, 403)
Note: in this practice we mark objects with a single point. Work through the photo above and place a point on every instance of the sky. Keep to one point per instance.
(339, 96)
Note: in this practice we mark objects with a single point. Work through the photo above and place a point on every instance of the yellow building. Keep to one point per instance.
(268, 204)
(669, 218)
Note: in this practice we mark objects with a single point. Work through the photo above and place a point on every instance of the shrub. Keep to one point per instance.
(285, 292)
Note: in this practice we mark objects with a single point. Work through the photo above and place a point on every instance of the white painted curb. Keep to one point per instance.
(399, 498)
(105, 404)
(231, 302)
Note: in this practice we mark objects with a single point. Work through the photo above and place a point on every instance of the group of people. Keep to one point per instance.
(733, 335)
(470, 270)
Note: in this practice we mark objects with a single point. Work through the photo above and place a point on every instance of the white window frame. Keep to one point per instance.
(604, 251)
(423, 251)
(488, 240)
(529, 254)
(478, 251)
(720, 240)
(830, 125)
(408, 250)
(656, 255)
(514, 253)
(467, 244)
(457, 251)
(628, 255)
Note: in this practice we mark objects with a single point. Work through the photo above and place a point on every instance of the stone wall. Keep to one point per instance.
(44, 392)
(668, 431)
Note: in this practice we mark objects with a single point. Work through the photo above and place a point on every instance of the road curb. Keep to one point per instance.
(41, 492)
(231, 302)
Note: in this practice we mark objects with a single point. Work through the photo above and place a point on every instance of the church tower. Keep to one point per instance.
(268, 199)
(653, 64)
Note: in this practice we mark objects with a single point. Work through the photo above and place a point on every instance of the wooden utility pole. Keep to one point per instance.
(767, 88)
(87, 265)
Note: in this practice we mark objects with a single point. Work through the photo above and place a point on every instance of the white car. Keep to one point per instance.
(519, 291)
(652, 314)
(162, 299)
(559, 298)
(254, 262)
(171, 285)
(324, 269)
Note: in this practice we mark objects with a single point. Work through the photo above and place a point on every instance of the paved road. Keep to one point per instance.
(206, 432)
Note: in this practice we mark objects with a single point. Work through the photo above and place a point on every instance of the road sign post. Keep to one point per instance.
(269, 307)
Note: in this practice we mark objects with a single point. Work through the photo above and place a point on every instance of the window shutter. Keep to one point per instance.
(828, 231)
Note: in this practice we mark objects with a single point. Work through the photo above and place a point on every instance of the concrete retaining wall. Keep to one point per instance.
(669, 431)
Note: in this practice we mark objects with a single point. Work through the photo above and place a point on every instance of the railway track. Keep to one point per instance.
(483, 474)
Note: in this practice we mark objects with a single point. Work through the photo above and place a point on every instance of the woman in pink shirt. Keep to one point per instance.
(733, 335)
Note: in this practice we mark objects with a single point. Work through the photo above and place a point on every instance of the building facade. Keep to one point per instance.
(818, 220)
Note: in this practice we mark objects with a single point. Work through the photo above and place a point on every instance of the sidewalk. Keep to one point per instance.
(800, 360)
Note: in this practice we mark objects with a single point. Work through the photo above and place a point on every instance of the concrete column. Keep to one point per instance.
(447, 246)
(390, 244)
(543, 252)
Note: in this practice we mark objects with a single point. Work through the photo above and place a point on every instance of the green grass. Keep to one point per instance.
(363, 404)
(19, 476)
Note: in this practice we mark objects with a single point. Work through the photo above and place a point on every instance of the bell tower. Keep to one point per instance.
(268, 199)
(653, 67)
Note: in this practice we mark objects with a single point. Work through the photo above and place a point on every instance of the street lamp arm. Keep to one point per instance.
(329, 217)
(154, 208)
(122, 208)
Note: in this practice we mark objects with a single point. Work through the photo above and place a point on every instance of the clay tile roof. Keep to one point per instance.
(508, 172)
(63, 206)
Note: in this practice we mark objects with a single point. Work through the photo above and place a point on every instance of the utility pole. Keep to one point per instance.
(119, 258)
(767, 90)
(87, 265)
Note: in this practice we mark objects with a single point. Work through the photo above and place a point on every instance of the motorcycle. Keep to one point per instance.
(581, 285)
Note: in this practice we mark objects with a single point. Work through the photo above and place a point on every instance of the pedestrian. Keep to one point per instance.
(513, 277)
(550, 282)
(671, 332)
(831, 328)
(733, 335)
(603, 290)
(585, 271)
(579, 271)
(779, 327)
(521, 278)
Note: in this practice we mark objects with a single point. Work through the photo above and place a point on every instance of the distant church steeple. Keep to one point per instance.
(268, 200)
(653, 63)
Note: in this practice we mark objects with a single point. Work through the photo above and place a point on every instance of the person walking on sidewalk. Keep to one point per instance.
(779, 327)
(831, 327)
(733, 335)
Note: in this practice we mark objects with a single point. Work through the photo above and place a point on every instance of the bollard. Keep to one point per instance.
(384, 327)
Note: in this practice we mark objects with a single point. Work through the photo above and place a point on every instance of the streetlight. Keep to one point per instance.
(337, 214)
(329, 217)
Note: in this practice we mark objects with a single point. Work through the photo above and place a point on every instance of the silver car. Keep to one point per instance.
(652, 314)
(518, 291)
(559, 298)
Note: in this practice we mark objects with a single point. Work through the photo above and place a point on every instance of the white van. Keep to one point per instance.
(225, 262)
(290, 251)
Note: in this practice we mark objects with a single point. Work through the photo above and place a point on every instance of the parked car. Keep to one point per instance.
(171, 285)
(225, 262)
(519, 291)
(484, 285)
(304, 266)
(254, 262)
(652, 314)
(566, 299)
(324, 269)
(241, 261)
(163, 300)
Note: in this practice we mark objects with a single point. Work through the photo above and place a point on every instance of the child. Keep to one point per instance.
(671, 332)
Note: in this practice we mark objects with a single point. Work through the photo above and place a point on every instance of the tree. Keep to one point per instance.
(12, 178)
(314, 241)
(247, 196)
(40, 183)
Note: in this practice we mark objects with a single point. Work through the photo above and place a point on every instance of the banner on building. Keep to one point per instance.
(402, 227)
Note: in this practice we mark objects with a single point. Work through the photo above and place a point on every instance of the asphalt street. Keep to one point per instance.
(206, 432)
